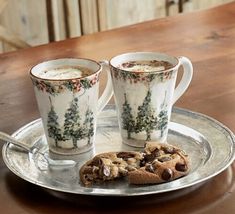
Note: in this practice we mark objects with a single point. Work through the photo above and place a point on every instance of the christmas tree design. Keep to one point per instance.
(72, 127)
(54, 130)
(128, 122)
(88, 125)
(163, 116)
(145, 120)
(162, 121)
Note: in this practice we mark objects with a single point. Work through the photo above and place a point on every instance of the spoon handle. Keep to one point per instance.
(35, 150)
(10, 139)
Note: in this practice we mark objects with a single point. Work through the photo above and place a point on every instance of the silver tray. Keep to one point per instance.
(210, 146)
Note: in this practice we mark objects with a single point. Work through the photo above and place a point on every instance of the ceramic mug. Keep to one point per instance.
(69, 105)
(144, 99)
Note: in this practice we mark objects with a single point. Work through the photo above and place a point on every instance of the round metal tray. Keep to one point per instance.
(210, 146)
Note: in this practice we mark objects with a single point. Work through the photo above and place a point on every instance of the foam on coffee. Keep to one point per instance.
(145, 66)
(64, 72)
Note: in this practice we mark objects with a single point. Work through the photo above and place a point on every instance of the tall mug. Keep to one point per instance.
(144, 92)
(67, 95)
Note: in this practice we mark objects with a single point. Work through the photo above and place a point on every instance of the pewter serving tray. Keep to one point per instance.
(210, 146)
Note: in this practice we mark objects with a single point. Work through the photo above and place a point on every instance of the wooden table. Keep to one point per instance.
(206, 37)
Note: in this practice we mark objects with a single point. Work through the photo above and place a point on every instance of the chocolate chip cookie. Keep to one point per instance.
(161, 163)
(109, 166)
(156, 164)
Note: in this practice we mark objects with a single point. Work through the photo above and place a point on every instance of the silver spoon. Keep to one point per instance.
(35, 150)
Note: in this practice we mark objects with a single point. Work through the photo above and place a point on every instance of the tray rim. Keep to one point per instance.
(175, 110)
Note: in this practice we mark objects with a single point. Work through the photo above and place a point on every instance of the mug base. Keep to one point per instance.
(134, 143)
(72, 151)
(139, 143)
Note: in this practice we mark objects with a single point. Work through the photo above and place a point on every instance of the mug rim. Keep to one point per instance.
(67, 79)
(146, 52)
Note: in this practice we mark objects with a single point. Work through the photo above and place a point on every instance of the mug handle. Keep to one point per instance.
(108, 91)
(186, 78)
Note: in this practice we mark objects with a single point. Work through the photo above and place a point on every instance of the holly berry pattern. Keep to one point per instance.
(135, 77)
(56, 87)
